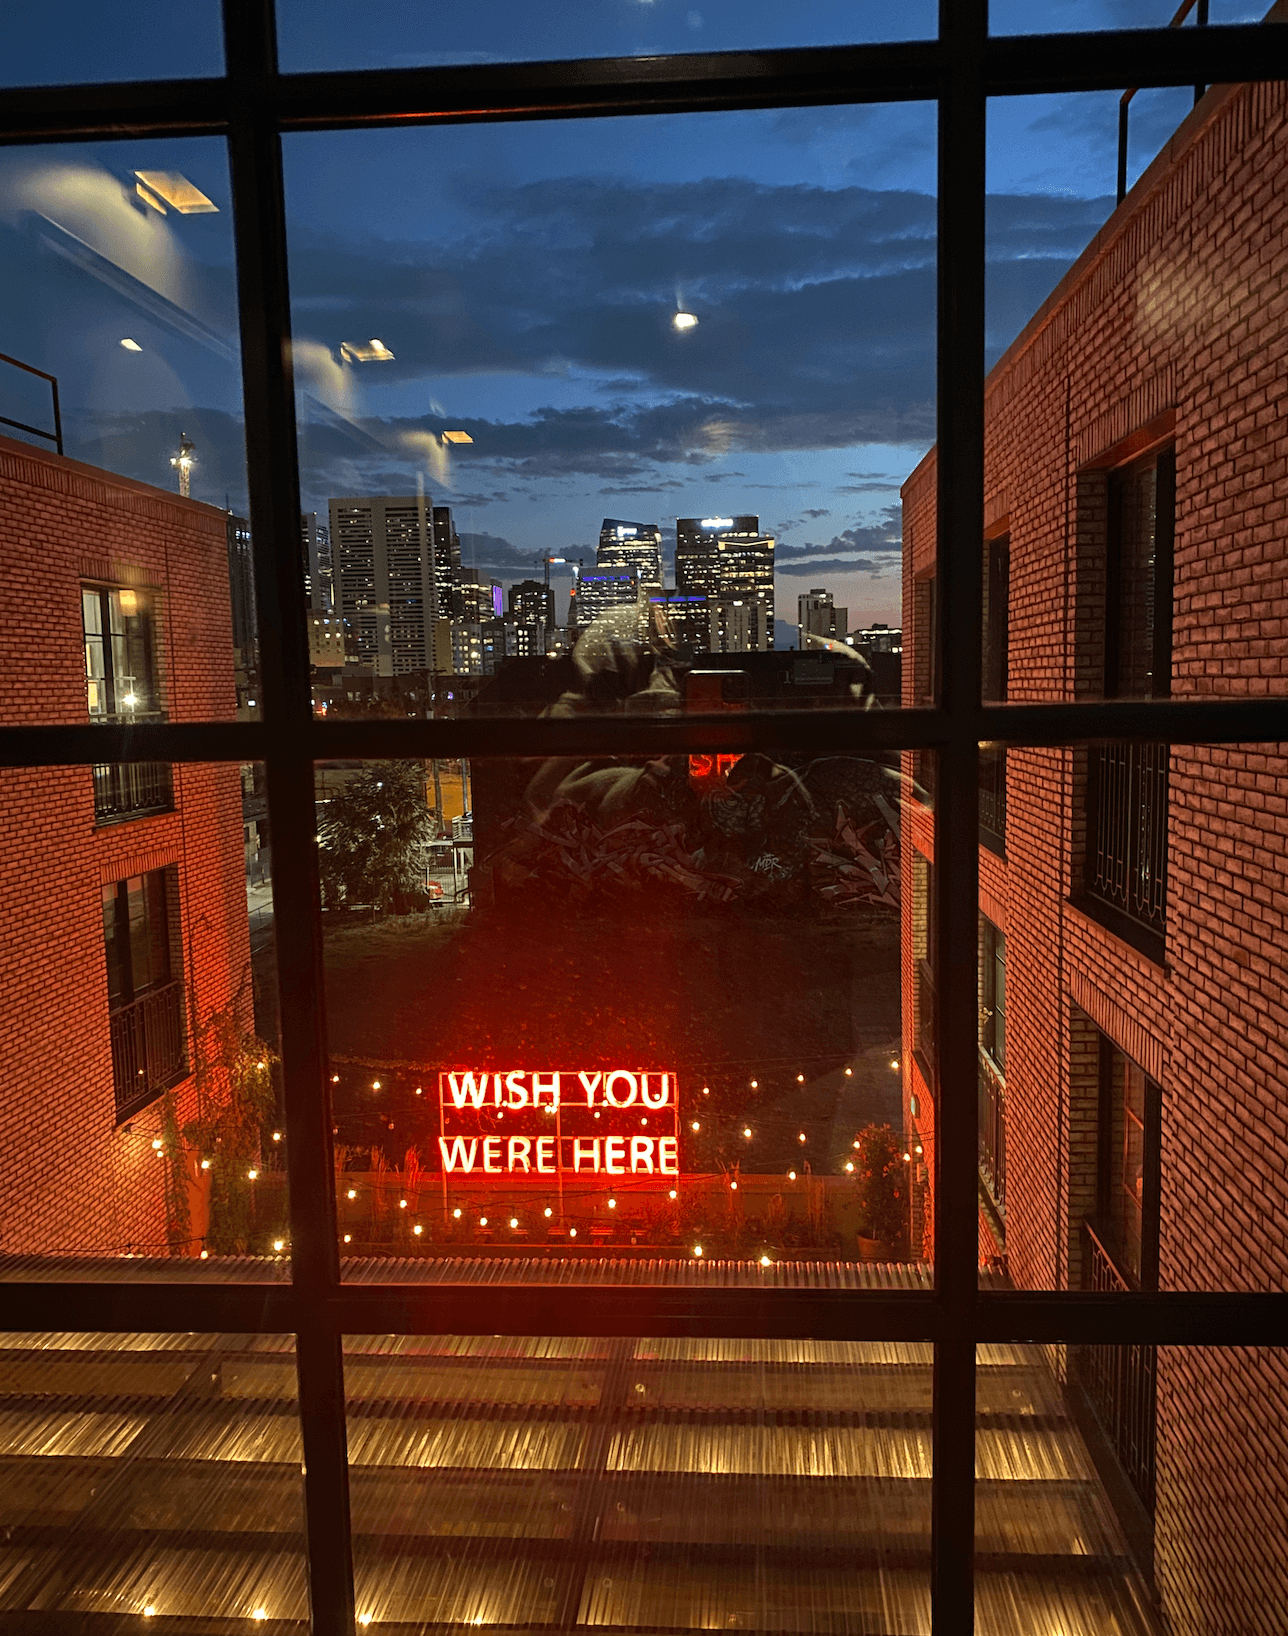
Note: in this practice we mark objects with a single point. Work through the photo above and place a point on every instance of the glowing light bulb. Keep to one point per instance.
(205, 1164)
(697, 1249)
(674, 1194)
(418, 1091)
(353, 1193)
(335, 1079)
(733, 1187)
(612, 1204)
(375, 1084)
(849, 1073)
(696, 1125)
(260, 1613)
(277, 1136)
(706, 1090)
(279, 1244)
(251, 1175)
(802, 1136)
(364, 1618)
(791, 1175)
(348, 1238)
(205, 1255)
(572, 1232)
(418, 1230)
(457, 1214)
(849, 1164)
(855, 1144)
(148, 1611)
(746, 1131)
(765, 1261)
(156, 1142)
(402, 1204)
(800, 1079)
(514, 1221)
(907, 1158)
(894, 1062)
(755, 1084)
(596, 1116)
(548, 1212)
(918, 1150)
(643, 1121)
(482, 1221)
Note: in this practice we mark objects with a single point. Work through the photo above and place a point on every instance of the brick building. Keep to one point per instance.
(1133, 1061)
(125, 884)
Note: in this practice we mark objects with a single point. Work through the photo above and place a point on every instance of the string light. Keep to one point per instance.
(335, 1079)
(348, 1238)
(457, 1214)
(156, 1142)
(802, 1136)
(353, 1193)
(252, 1175)
(149, 1611)
(205, 1164)
(894, 1062)
(418, 1090)
(674, 1194)
(643, 1121)
(856, 1144)
(791, 1175)
(765, 1261)
(279, 1244)
(364, 1618)
(755, 1084)
(205, 1255)
(277, 1136)
(733, 1187)
(697, 1249)
(418, 1229)
(548, 1212)
(514, 1221)
(696, 1125)
(706, 1090)
(746, 1131)
(849, 1073)
(260, 1613)
(800, 1079)
(907, 1158)
(482, 1221)
(402, 1204)
(572, 1232)
(375, 1084)
(612, 1204)
(849, 1164)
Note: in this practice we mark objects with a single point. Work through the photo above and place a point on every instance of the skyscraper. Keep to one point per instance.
(315, 546)
(728, 559)
(595, 591)
(818, 616)
(447, 563)
(531, 599)
(387, 591)
(635, 546)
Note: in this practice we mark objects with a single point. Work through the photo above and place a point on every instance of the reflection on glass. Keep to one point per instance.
(550, 472)
(150, 1477)
(121, 446)
(640, 1483)
(140, 1003)
(65, 42)
(649, 1008)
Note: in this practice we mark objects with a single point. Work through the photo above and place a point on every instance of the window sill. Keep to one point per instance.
(109, 820)
(1143, 939)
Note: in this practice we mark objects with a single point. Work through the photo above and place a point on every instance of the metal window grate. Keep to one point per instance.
(131, 789)
(149, 1047)
(1127, 830)
(1121, 1382)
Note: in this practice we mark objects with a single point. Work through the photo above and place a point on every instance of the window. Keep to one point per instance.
(1127, 1216)
(737, 1337)
(145, 1000)
(992, 1065)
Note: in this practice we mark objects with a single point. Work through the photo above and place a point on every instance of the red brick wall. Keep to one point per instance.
(69, 1179)
(1173, 323)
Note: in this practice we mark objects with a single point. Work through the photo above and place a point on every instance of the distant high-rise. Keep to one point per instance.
(531, 599)
(481, 598)
(820, 618)
(385, 581)
(635, 546)
(741, 625)
(682, 621)
(241, 584)
(727, 559)
(447, 563)
(594, 592)
(315, 548)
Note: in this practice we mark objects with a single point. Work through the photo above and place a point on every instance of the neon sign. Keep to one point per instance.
(523, 1122)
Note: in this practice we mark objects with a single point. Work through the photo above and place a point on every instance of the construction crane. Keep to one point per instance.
(183, 462)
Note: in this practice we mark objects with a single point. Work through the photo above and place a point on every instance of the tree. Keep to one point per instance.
(373, 836)
(882, 1185)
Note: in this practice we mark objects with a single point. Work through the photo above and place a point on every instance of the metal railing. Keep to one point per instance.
(992, 794)
(129, 789)
(1183, 11)
(149, 1047)
(1127, 830)
(992, 1133)
(56, 436)
(1120, 1380)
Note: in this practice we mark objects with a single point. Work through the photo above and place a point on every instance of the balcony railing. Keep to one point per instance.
(1120, 1380)
(992, 796)
(149, 1047)
(992, 1133)
(1127, 831)
(131, 789)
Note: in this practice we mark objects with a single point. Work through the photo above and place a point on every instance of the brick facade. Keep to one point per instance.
(1172, 327)
(71, 1180)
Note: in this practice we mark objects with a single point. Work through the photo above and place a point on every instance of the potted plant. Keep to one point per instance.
(882, 1187)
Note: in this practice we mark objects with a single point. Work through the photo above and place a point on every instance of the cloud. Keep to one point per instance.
(866, 548)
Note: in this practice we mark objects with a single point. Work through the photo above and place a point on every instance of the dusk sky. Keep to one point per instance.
(525, 277)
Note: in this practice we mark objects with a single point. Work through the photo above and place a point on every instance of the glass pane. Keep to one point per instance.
(120, 335)
(150, 1476)
(1067, 16)
(637, 1484)
(63, 42)
(628, 1012)
(1138, 1105)
(320, 34)
(544, 473)
(139, 988)
(1107, 1499)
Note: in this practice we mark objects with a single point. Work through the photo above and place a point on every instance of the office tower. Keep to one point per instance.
(447, 563)
(241, 585)
(741, 625)
(727, 559)
(315, 546)
(532, 599)
(819, 617)
(481, 598)
(625, 545)
(595, 592)
(681, 621)
(383, 555)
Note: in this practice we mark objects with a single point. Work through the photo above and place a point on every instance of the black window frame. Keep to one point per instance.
(251, 106)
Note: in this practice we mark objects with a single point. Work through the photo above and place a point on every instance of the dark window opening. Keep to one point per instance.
(145, 1000)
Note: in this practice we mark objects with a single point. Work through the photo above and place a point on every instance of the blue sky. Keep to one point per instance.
(525, 277)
